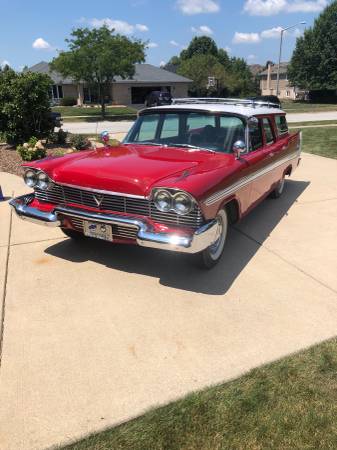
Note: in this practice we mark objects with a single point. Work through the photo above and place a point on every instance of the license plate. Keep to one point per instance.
(98, 230)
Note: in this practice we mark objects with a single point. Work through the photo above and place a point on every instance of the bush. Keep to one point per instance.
(24, 105)
(32, 150)
(79, 142)
(59, 137)
(68, 101)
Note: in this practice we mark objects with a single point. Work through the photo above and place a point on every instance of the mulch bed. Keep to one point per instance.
(10, 160)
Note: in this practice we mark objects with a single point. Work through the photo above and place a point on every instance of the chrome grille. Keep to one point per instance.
(59, 194)
(117, 230)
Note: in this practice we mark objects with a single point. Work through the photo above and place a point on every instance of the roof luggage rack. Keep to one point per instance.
(224, 101)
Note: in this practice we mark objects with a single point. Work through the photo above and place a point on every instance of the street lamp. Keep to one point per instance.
(280, 54)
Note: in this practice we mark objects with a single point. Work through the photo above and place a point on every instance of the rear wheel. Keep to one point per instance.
(76, 235)
(277, 192)
(209, 257)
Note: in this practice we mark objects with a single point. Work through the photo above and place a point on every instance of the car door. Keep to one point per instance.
(276, 148)
(258, 161)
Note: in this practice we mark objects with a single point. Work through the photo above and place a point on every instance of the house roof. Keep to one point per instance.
(255, 69)
(144, 73)
(283, 69)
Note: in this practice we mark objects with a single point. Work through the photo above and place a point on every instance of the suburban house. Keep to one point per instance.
(147, 78)
(268, 83)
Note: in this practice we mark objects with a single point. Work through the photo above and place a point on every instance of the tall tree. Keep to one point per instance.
(200, 45)
(97, 57)
(313, 65)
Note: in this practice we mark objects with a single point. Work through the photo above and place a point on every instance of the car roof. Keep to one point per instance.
(237, 109)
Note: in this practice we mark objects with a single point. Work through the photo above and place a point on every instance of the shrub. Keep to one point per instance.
(24, 105)
(79, 142)
(32, 150)
(59, 137)
(68, 101)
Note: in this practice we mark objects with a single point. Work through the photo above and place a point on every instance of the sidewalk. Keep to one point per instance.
(96, 334)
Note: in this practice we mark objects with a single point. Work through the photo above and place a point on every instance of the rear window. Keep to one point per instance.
(281, 124)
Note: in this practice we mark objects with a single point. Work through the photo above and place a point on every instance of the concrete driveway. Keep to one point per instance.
(96, 334)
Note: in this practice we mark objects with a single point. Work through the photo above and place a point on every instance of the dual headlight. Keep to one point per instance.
(37, 179)
(179, 202)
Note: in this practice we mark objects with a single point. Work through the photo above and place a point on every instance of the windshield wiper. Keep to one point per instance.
(191, 146)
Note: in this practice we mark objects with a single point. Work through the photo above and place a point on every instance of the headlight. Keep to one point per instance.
(30, 178)
(43, 181)
(163, 200)
(182, 203)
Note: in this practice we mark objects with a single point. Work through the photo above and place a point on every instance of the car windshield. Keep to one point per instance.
(188, 129)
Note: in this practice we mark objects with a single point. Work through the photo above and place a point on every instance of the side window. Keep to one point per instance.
(281, 123)
(170, 126)
(268, 131)
(255, 135)
(148, 128)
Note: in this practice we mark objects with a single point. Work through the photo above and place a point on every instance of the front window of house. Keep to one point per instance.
(57, 92)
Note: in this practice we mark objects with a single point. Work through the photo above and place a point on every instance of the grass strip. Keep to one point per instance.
(289, 404)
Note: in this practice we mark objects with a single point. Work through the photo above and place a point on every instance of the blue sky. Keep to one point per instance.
(34, 30)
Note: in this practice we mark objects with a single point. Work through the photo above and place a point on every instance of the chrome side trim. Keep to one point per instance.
(214, 198)
(193, 242)
(100, 191)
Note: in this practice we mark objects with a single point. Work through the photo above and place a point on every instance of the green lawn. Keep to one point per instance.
(69, 111)
(320, 141)
(299, 107)
(321, 123)
(290, 404)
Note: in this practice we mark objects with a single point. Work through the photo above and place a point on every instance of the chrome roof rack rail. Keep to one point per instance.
(224, 101)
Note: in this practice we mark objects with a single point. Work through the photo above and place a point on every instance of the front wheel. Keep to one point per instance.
(209, 257)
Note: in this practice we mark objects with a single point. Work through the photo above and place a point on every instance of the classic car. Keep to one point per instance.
(183, 173)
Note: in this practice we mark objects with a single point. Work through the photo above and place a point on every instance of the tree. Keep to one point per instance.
(313, 65)
(199, 68)
(24, 105)
(202, 45)
(97, 57)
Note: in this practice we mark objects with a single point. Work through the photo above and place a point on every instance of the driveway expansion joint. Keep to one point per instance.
(4, 292)
(286, 261)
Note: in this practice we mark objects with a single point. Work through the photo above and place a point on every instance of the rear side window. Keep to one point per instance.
(281, 124)
(268, 131)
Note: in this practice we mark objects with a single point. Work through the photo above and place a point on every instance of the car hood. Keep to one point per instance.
(132, 169)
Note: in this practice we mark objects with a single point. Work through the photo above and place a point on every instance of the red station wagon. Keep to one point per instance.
(183, 173)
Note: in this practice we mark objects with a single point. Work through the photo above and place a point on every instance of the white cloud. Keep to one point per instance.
(228, 49)
(120, 26)
(246, 38)
(41, 44)
(251, 57)
(274, 33)
(142, 28)
(273, 7)
(191, 7)
(152, 45)
(4, 63)
(203, 29)
(162, 63)
(174, 43)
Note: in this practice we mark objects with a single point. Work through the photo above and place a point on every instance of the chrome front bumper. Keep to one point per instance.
(202, 238)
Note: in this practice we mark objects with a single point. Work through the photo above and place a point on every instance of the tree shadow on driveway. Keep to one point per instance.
(174, 269)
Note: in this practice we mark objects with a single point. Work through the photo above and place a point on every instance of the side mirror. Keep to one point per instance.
(239, 147)
(105, 137)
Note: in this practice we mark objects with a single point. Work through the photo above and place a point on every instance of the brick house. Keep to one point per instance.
(268, 83)
(147, 78)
